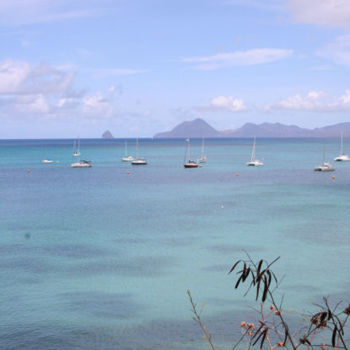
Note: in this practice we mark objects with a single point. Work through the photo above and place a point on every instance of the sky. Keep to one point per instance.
(138, 67)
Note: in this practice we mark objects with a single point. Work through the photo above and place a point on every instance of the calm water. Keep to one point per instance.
(101, 259)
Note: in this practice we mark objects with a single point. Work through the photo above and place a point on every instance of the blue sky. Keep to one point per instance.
(137, 67)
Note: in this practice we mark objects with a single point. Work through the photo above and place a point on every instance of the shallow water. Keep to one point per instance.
(98, 258)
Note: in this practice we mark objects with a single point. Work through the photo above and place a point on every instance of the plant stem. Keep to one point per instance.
(198, 319)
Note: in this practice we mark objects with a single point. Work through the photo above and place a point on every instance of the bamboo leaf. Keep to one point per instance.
(334, 334)
(234, 266)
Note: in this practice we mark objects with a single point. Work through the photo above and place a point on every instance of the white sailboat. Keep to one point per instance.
(342, 157)
(203, 157)
(188, 162)
(253, 161)
(46, 160)
(77, 162)
(137, 160)
(325, 166)
(127, 158)
(76, 150)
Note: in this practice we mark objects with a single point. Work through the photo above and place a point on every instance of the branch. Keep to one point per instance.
(197, 318)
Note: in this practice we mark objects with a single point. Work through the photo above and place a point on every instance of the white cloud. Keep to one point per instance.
(338, 51)
(12, 76)
(218, 103)
(18, 77)
(97, 106)
(238, 58)
(345, 98)
(32, 104)
(44, 91)
(102, 72)
(314, 101)
(22, 12)
(228, 103)
(66, 102)
(322, 12)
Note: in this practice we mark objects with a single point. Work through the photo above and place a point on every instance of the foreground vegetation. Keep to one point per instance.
(324, 329)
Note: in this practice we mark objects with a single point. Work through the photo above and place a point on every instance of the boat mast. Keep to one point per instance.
(126, 148)
(79, 145)
(253, 151)
(137, 148)
(341, 144)
(188, 151)
(202, 147)
(324, 153)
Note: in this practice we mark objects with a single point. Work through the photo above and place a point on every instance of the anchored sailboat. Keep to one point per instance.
(325, 166)
(188, 162)
(253, 161)
(127, 158)
(137, 160)
(77, 163)
(342, 157)
(46, 160)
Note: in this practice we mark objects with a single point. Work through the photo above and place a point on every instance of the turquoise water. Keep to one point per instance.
(101, 259)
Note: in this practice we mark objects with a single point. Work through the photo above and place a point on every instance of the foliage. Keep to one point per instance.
(324, 329)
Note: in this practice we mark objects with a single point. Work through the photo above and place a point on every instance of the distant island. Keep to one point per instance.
(107, 135)
(198, 128)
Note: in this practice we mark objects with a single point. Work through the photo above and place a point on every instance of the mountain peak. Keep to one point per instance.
(196, 128)
(107, 135)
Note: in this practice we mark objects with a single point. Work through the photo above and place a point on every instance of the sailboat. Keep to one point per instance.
(253, 161)
(203, 157)
(137, 160)
(325, 166)
(76, 150)
(46, 160)
(342, 157)
(188, 163)
(78, 163)
(127, 158)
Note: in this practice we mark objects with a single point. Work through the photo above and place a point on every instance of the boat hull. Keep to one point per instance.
(139, 162)
(343, 158)
(255, 163)
(325, 167)
(127, 159)
(190, 165)
(81, 165)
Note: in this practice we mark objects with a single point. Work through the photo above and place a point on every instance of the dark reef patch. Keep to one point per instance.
(103, 305)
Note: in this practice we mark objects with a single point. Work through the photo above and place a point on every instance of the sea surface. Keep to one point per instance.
(101, 258)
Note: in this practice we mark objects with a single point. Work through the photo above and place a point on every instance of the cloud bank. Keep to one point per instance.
(314, 101)
(47, 92)
(322, 12)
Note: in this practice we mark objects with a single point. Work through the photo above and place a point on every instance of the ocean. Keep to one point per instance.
(101, 258)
